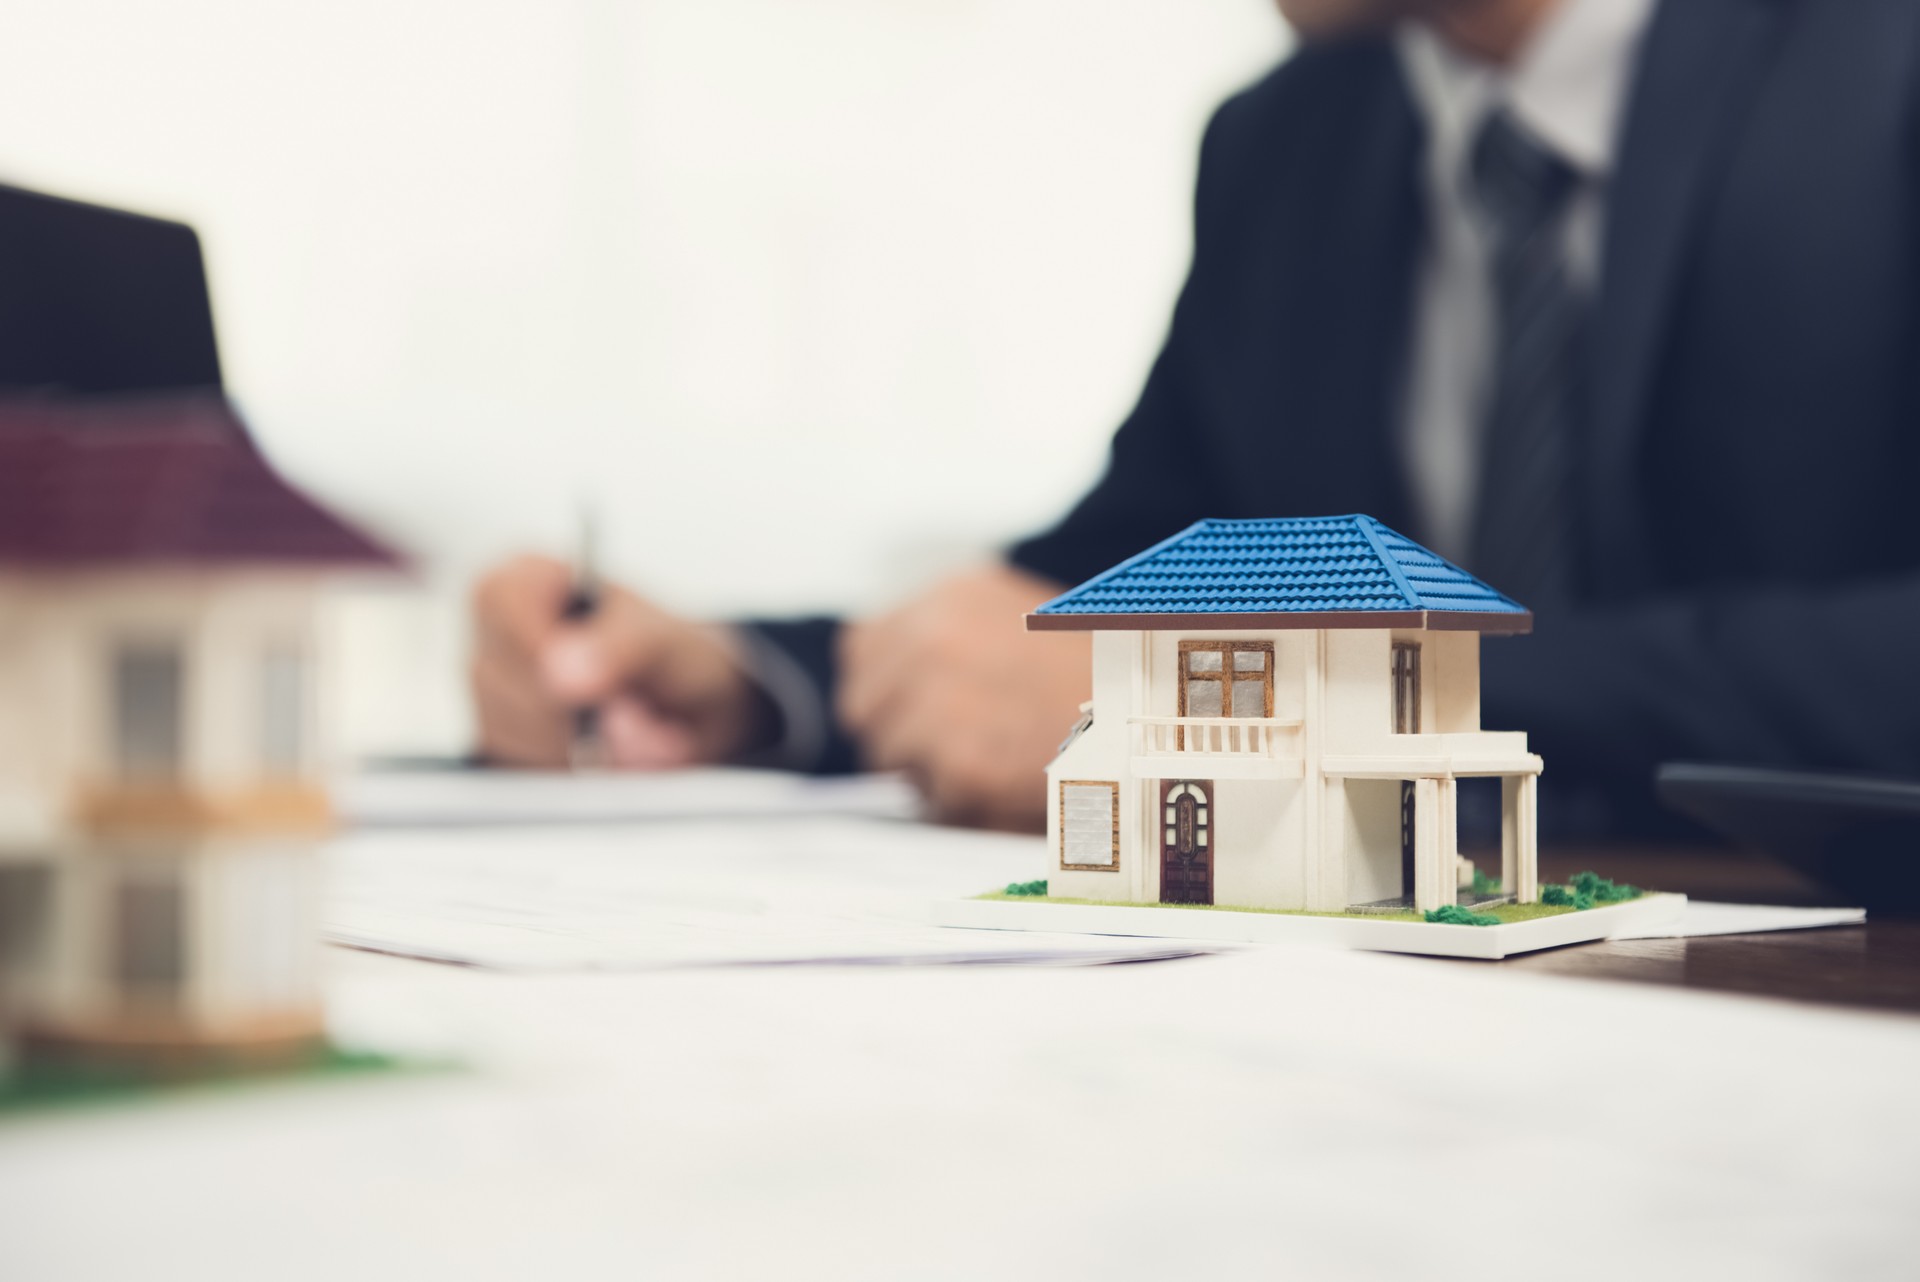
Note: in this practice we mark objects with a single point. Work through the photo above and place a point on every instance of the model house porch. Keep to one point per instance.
(1282, 713)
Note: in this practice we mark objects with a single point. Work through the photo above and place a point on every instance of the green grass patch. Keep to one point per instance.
(1455, 915)
(1587, 889)
(1503, 914)
(31, 1088)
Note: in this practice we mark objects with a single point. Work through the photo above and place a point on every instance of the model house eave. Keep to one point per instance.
(1486, 621)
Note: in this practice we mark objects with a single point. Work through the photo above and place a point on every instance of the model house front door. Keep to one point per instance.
(1186, 841)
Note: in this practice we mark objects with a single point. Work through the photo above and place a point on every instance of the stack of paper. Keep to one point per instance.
(679, 893)
(478, 798)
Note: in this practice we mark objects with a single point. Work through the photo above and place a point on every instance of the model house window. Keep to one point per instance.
(150, 938)
(1406, 687)
(146, 710)
(1090, 825)
(1226, 678)
(283, 707)
(26, 891)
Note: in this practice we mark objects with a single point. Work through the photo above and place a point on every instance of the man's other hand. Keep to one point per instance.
(952, 689)
(670, 692)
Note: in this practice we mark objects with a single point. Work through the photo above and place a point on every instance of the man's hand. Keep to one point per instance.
(953, 690)
(669, 692)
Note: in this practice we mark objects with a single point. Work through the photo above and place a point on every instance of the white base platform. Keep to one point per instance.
(1226, 926)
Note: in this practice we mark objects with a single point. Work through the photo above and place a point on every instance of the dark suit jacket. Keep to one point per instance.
(1749, 457)
(94, 300)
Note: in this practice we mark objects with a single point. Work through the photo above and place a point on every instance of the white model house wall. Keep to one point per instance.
(26, 770)
(1368, 814)
(1359, 689)
(58, 640)
(1452, 696)
(1100, 755)
(242, 948)
(1262, 824)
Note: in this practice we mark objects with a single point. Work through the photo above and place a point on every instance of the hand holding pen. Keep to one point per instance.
(570, 669)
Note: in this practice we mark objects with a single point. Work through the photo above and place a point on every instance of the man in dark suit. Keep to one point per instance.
(95, 300)
(1616, 302)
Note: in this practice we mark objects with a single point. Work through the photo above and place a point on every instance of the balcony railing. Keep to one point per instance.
(1215, 736)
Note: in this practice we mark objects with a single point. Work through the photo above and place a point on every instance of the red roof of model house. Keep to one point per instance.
(176, 480)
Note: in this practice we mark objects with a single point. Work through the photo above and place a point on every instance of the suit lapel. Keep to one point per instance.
(1700, 61)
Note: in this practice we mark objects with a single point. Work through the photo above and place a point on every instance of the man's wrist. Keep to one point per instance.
(781, 718)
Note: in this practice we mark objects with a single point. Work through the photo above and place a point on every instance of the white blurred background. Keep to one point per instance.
(812, 299)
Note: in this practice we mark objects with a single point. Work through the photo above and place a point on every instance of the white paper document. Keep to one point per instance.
(672, 894)
(1698, 919)
(1275, 1114)
(478, 798)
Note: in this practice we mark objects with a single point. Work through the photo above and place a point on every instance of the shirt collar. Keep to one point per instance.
(1568, 86)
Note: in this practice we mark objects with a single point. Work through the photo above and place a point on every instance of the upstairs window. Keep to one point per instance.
(1226, 678)
(283, 712)
(1406, 687)
(147, 729)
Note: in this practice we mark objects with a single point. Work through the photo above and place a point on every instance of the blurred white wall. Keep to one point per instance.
(812, 298)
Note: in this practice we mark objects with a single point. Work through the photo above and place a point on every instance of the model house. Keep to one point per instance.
(161, 749)
(1282, 711)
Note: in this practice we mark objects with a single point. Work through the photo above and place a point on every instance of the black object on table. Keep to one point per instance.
(1859, 834)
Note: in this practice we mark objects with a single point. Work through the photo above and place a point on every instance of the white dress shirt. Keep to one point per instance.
(1568, 88)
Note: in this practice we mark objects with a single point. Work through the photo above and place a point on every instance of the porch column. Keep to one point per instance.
(1325, 882)
(1434, 877)
(1520, 837)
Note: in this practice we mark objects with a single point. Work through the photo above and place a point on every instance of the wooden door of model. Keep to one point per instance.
(1186, 841)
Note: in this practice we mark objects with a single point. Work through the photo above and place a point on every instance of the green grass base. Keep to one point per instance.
(1507, 913)
(33, 1088)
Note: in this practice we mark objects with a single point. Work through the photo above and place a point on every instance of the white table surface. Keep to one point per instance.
(1271, 1113)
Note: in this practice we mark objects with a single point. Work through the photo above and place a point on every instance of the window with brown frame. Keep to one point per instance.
(1226, 679)
(1406, 687)
(1090, 825)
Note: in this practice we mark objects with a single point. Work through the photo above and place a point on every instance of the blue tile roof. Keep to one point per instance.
(1282, 566)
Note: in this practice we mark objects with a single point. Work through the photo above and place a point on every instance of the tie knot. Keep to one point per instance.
(1519, 181)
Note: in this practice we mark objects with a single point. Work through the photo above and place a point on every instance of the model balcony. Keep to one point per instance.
(1215, 747)
(1270, 748)
(288, 807)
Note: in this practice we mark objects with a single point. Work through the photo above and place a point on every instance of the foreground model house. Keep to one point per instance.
(160, 755)
(1282, 710)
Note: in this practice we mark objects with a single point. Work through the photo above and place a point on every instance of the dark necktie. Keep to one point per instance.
(1523, 539)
